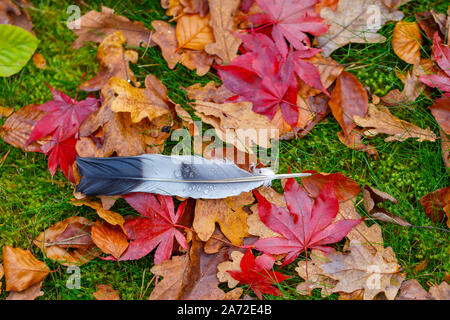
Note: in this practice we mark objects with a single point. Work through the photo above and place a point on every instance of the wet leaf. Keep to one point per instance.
(406, 41)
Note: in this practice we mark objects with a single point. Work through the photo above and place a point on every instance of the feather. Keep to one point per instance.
(183, 176)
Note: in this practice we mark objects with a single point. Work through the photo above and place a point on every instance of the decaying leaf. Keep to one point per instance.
(194, 32)
(105, 292)
(95, 26)
(406, 41)
(226, 44)
(15, 13)
(234, 265)
(110, 240)
(228, 213)
(68, 242)
(209, 92)
(151, 102)
(22, 269)
(39, 61)
(165, 37)
(412, 290)
(441, 112)
(361, 270)
(109, 216)
(237, 124)
(114, 62)
(380, 120)
(30, 293)
(197, 60)
(354, 141)
(437, 205)
(348, 99)
(372, 198)
(17, 128)
(353, 21)
(344, 188)
(192, 276)
(315, 278)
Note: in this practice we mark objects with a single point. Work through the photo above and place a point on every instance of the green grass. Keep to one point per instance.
(31, 201)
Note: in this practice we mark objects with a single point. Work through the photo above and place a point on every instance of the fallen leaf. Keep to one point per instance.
(325, 3)
(165, 37)
(194, 32)
(197, 60)
(257, 273)
(228, 213)
(412, 290)
(407, 41)
(348, 99)
(361, 270)
(95, 26)
(55, 242)
(2, 272)
(209, 92)
(106, 292)
(437, 205)
(222, 15)
(22, 269)
(234, 265)
(192, 276)
(441, 112)
(353, 22)
(114, 62)
(432, 22)
(304, 224)
(314, 278)
(157, 227)
(421, 266)
(195, 6)
(113, 218)
(15, 13)
(5, 112)
(151, 102)
(344, 188)
(237, 124)
(17, 128)
(30, 293)
(440, 54)
(440, 292)
(372, 198)
(39, 61)
(110, 240)
(354, 141)
(380, 120)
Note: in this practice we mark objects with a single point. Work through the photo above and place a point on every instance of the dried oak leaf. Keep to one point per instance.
(361, 270)
(18, 127)
(406, 41)
(348, 99)
(95, 26)
(412, 290)
(192, 276)
(194, 32)
(354, 141)
(114, 62)
(234, 265)
(68, 242)
(222, 15)
(228, 213)
(109, 239)
(197, 60)
(437, 205)
(30, 293)
(379, 120)
(237, 124)
(15, 13)
(151, 102)
(350, 23)
(195, 6)
(105, 132)
(22, 269)
(210, 92)
(165, 37)
(314, 278)
(372, 198)
(105, 292)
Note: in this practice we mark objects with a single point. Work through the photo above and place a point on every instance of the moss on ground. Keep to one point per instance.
(30, 201)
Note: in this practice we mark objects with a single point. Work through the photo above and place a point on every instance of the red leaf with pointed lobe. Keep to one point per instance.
(291, 20)
(156, 228)
(62, 154)
(441, 54)
(258, 275)
(304, 224)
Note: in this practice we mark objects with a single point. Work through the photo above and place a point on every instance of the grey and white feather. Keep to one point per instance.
(183, 176)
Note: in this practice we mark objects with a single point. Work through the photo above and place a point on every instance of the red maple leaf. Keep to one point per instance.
(304, 224)
(258, 275)
(267, 79)
(157, 227)
(64, 116)
(62, 154)
(441, 54)
(290, 20)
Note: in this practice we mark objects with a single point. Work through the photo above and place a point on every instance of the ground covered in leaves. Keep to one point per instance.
(32, 201)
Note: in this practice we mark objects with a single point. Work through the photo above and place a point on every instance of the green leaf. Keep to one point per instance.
(16, 48)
